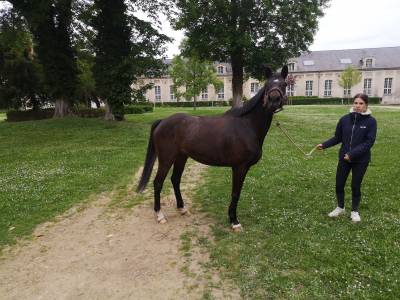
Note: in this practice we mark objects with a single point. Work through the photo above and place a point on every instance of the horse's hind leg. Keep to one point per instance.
(179, 166)
(163, 168)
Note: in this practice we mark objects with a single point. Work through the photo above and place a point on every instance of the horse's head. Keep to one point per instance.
(275, 89)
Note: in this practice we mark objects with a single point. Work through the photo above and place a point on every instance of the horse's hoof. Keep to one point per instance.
(183, 211)
(161, 218)
(237, 227)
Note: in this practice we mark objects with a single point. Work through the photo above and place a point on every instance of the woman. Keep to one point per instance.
(356, 131)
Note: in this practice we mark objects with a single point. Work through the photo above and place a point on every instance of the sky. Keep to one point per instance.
(347, 24)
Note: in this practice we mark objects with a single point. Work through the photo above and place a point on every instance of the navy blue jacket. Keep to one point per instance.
(357, 133)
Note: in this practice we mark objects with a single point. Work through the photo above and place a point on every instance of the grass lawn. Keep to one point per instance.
(290, 249)
(48, 166)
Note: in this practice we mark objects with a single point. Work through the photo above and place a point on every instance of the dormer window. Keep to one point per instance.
(368, 62)
(345, 61)
(220, 70)
(308, 62)
(291, 67)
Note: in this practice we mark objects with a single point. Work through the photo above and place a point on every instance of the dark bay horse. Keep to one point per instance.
(233, 139)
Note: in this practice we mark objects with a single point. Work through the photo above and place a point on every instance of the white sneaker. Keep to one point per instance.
(355, 216)
(336, 212)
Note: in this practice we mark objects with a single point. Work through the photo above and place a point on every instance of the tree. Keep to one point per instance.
(349, 78)
(50, 23)
(21, 77)
(126, 47)
(248, 33)
(194, 75)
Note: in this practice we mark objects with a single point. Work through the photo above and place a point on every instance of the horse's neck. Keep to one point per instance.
(261, 122)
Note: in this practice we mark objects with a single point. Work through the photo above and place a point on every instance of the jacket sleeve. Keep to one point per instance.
(369, 141)
(336, 139)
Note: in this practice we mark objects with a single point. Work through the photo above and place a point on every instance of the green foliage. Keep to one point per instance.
(290, 249)
(112, 65)
(29, 115)
(349, 77)
(21, 76)
(247, 33)
(50, 24)
(86, 90)
(192, 75)
(125, 49)
(138, 109)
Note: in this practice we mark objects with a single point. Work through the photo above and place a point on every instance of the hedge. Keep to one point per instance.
(29, 115)
(299, 100)
(294, 100)
(191, 103)
(138, 108)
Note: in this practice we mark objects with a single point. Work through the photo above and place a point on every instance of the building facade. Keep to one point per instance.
(316, 73)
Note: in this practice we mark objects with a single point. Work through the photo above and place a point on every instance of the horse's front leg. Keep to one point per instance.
(238, 176)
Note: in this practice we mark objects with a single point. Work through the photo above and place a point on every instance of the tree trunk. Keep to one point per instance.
(109, 116)
(194, 102)
(237, 80)
(62, 108)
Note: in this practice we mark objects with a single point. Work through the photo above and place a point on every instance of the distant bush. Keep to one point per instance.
(91, 113)
(29, 115)
(138, 108)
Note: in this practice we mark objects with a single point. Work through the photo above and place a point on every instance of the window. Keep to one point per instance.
(291, 67)
(367, 86)
(368, 63)
(204, 93)
(328, 88)
(290, 90)
(309, 87)
(347, 92)
(308, 62)
(220, 93)
(172, 96)
(220, 70)
(387, 87)
(254, 87)
(157, 91)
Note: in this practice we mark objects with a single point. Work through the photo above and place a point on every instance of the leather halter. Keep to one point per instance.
(266, 96)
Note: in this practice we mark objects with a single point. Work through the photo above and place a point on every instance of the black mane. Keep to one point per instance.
(247, 107)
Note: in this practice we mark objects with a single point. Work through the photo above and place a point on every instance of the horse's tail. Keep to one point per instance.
(149, 162)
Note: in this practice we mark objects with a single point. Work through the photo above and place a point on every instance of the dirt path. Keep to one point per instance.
(98, 252)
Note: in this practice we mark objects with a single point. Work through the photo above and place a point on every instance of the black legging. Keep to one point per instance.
(343, 170)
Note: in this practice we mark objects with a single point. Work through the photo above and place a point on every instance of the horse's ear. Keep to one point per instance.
(267, 71)
(285, 71)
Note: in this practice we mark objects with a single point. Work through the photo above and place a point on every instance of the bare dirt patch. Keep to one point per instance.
(98, 252)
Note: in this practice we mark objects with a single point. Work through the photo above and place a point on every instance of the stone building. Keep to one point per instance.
(316, 74)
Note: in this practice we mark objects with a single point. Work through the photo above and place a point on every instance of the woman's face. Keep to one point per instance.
(359, 105)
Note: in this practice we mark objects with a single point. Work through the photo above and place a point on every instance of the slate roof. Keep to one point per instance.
(338, 60)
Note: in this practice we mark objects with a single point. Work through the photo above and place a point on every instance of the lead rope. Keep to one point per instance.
(290, 139)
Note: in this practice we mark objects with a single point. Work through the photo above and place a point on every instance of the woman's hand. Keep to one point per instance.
(346, 157)
(320, 147)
